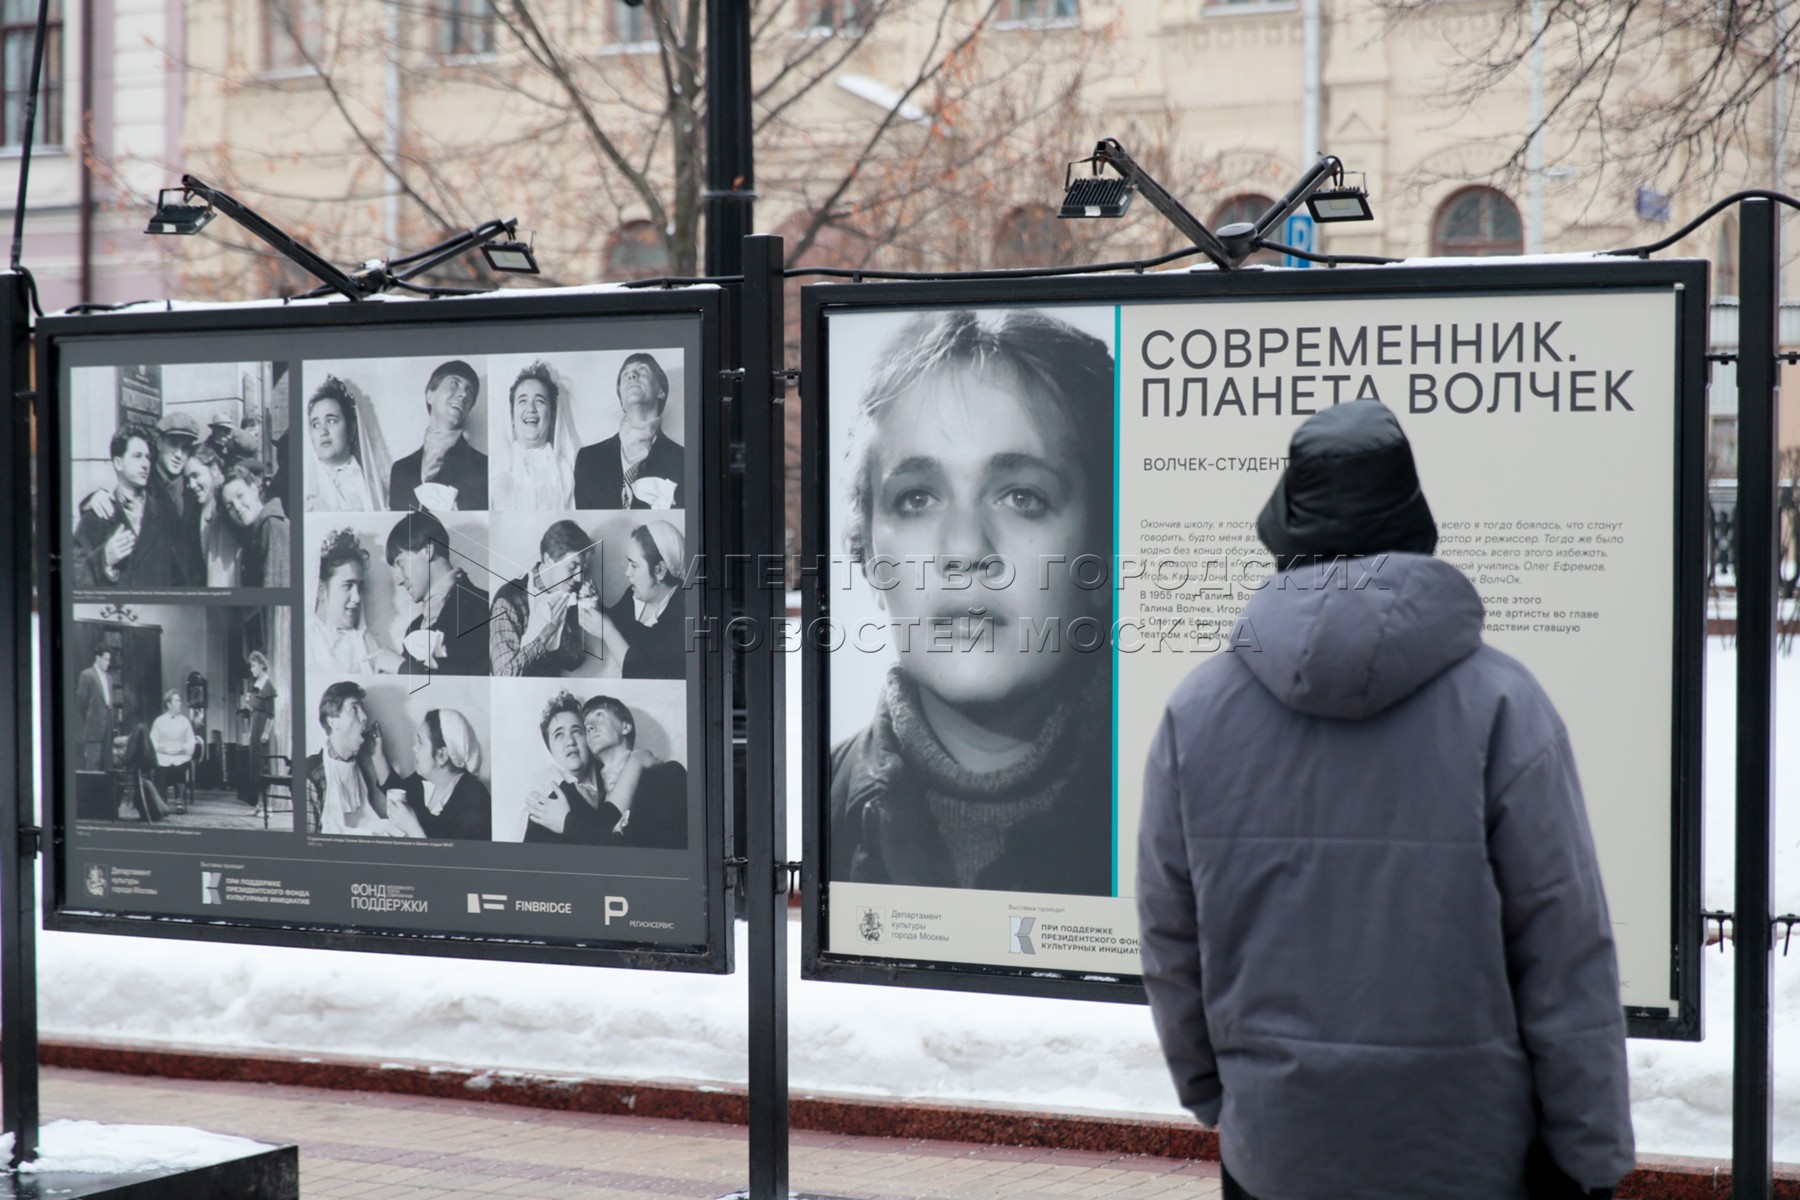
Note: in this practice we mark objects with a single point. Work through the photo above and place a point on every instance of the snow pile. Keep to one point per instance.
(1044, 1054)
(91, 1148)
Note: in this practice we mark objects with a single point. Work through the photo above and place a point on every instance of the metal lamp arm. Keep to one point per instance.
(417, 264)
(1110, 152)
(293, 250)
(1329, 167)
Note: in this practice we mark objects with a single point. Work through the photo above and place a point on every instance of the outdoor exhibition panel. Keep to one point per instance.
(365, 625)
(1031, 510)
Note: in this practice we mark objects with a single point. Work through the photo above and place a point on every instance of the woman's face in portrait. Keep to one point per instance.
(639, 574)
(343, 596)
(424, 753)
(241, 501)
(533, 413)
(202, 481)
(567, 742)
(604, 731)
(967, 470)
(329, 431)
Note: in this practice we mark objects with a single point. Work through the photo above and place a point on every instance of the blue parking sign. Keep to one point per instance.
(1298, 233)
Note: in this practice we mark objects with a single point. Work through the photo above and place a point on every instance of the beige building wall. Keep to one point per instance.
(1212, 91)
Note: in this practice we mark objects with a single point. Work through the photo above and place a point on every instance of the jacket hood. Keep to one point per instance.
(1350, 639)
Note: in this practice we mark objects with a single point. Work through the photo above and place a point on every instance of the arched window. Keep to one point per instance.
(1725, 272)
(636, 251)
(1247, 206)
(1032, 235)
(1477, 222)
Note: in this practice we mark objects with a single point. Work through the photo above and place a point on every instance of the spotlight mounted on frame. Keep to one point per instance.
(1094, 196)
(512, 256)
(1321, 188)
(496, 239)
(179, 216)
(1340, 203)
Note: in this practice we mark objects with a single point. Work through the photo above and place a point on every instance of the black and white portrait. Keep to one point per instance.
(602, 596)
(347, 460)
(535, 428)
(426, 411)
(971, 749)
(179, 475)
(358, 613)
(637, 459)
(592, 763)
(384, 760)
(180, 716)
(438, 570)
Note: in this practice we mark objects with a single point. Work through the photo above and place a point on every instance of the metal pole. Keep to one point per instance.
(1534, 153)
(730, 199)
(729, 207)
(1752, 1115)
(18, 808)
(766, 873)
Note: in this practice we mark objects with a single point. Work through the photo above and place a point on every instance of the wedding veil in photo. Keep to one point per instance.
(368, 449)
(541, 480)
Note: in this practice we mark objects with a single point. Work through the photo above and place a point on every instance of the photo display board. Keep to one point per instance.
(367, 626)
(975, 736)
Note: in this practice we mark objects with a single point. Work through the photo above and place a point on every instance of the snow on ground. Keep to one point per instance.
(1046, 1054)
(92, 1148)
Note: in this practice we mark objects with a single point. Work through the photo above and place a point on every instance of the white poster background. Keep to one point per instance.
(1555, 492)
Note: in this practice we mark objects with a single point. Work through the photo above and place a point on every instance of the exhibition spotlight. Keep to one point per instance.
(178, 216)
(1322, 189)
(513, 257)
(1095, 196)
(1340, 204)
(497, 240)
(289, 247)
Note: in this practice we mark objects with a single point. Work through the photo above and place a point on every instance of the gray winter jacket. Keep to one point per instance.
(1374, 935)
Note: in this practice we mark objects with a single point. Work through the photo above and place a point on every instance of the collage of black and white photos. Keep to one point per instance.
(181, 558)
(487, 539)
(434, 598)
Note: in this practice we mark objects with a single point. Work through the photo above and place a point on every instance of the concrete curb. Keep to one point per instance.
(1656, 1178)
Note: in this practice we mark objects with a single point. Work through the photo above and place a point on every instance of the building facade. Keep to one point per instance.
(110, 121)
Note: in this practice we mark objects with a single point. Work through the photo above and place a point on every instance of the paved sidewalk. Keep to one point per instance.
(361, 1146)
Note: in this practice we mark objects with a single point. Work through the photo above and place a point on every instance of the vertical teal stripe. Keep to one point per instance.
(1118, 468)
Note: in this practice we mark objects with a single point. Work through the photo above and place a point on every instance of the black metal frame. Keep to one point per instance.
(18, 792)
(716, 955)
(1758, 568)
(1688, 279)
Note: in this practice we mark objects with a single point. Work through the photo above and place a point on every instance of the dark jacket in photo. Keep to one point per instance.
(659, 809)
(464, 468)
(600, 473)
(91, 708)
(656, 651)
(468, 815)
(904, 812)
(263, 561)
(152, 561)
(190, 558)
(1373, 928)
(463, 621)
(586, 824)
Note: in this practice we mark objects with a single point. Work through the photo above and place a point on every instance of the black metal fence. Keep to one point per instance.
(1721, 529)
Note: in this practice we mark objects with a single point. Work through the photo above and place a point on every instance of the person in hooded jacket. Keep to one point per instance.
(1374, 935)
